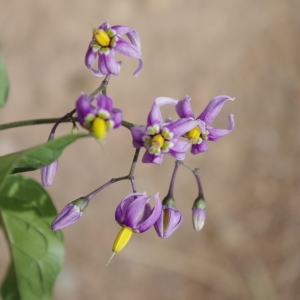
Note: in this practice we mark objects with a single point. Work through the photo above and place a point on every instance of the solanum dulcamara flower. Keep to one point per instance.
(99, 117)
(162, 138)
(198, 135)
(169, 220)
(105, 41)
(134, 214)
(48, 173)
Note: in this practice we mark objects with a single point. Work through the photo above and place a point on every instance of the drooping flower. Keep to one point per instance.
(98, 118)
(134, 214)
(105, 41)
(198, 135)
(48, 173)
(199, 213)
(162, 138)
(169, 220)
(70, 214)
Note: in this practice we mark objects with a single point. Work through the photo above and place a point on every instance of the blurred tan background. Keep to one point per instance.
(249, 247)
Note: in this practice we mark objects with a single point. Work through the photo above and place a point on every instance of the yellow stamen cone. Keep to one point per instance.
(101, 37)
(121, 240)
(157, 141)
(194, 134)
(99, 128)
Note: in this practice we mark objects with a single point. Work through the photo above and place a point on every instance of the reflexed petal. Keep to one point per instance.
(104, 26)
(123, 205)
(179, 149)
(137, 133)
(153, 217)
(182, 126)
(107, 63)
(217, 133)
(132, 34)
(155, 116)
(104, 102)
(117, 116)
(184, 108)
(130, 50)
(135, 211)
(90, 57)
(152, 159)
(84, 107)
(213, 108)
(127, 49)
(198, 148)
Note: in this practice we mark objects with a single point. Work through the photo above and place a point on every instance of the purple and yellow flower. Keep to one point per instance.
(98, 118)
(169, 220)
(134, 214)
(70, 214)
(198, 135)
(162, 138)
(105, 41)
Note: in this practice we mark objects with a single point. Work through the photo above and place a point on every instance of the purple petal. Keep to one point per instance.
(148, 223)
(174, 220)
(117, 116)
(155, 116)
(135, 211)
(139, 68)
(152, 159)
(217, 133)
(182, 126)
(184, 108)
(68, 216)
(123, 205)
(84, 107)
(132, 34)
(48, 173)
(107, 63)
(127, 49)
(199, 148)
(147, 213)
(104, 26)
(104, 102)
(179, 149)
(137, 133)
(90, 57)
(213, 108)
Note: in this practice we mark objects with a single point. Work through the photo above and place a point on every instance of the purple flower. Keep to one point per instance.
(135, 212)
(199, 134)
(162, 138)
(168, 222)
(70, 214)
(105, 41)
(48, 173)
(199, 213)
(98, 118)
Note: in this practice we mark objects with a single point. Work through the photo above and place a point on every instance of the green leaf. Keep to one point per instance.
(34, 158)
(4, 84)
(37, 252)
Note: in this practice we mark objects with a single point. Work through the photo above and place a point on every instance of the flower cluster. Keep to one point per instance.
(97, 114)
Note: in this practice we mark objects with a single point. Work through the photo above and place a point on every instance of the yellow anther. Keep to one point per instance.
(101, 37)
(193, 134)
(99, 128)
(121, 240)
(157, 141)
(166, 219)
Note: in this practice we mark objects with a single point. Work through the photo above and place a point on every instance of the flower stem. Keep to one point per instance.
(171, 188)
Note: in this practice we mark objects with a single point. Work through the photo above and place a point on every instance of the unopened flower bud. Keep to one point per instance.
(48, 173)
(169, 220)
(70, 214)
(199, 213)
